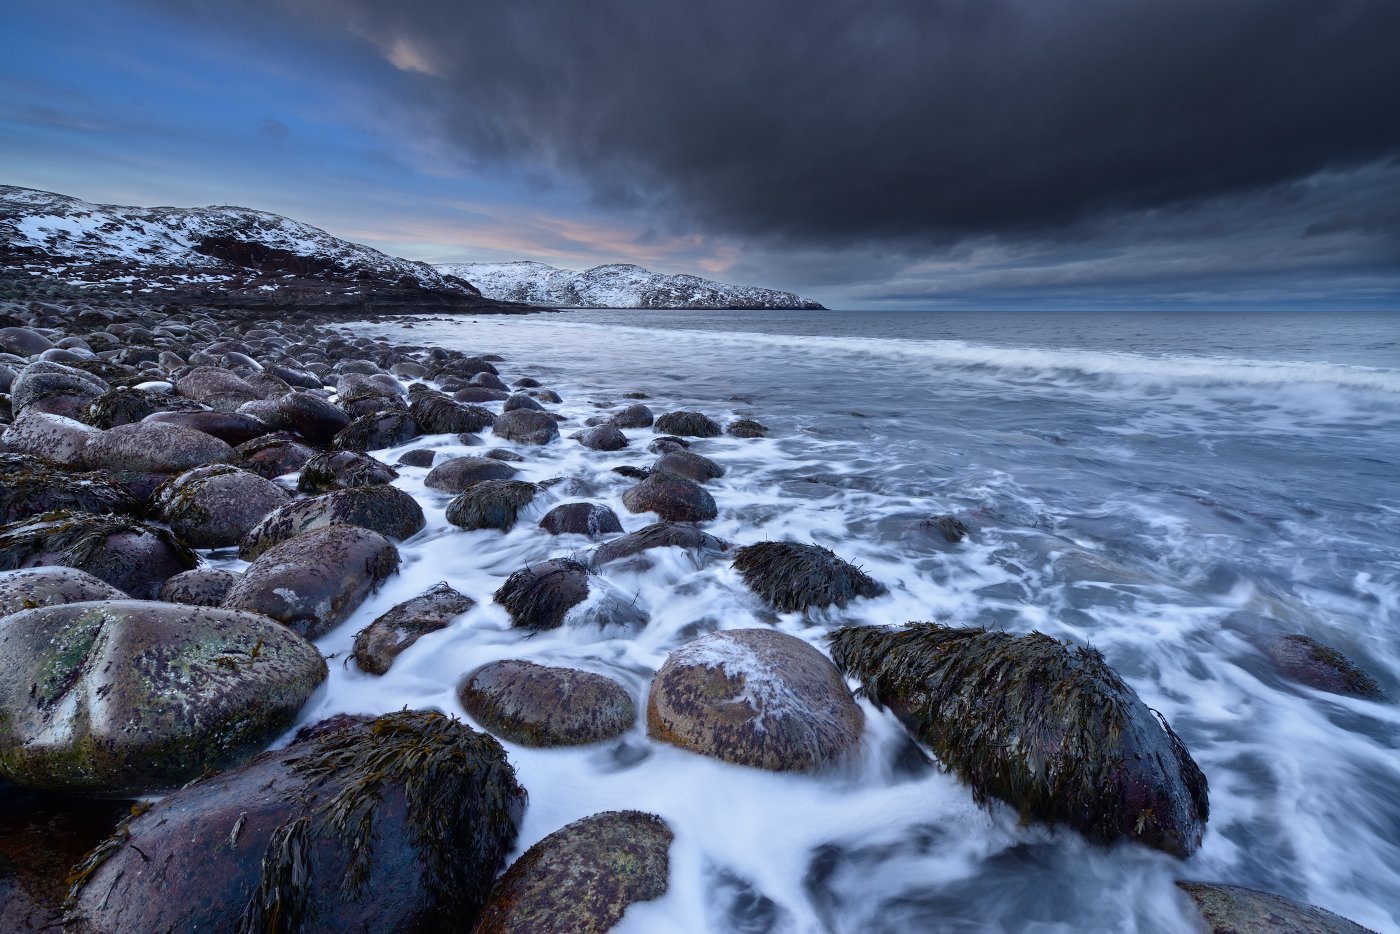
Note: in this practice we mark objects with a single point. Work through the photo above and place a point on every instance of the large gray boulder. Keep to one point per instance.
(200, 587)
(687, 424)
(340, 470)
(123, 697)
(537, 705)
(132, 556)
(54, 388)
(591, 519)
(491, 504)
(389, 636)
(690, 465)
(229, 427)
(216, 387)
(526, 426)
(30, 588)
(218, 509)
(313, 582)
(755, 697)
(154, 447)
(1045, 726)
(673, 498)
(384, 509)
(458, 474)
(543, 595)
(315, 419)
(51, 438)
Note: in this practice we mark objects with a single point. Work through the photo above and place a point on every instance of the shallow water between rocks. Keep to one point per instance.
(1162, 487)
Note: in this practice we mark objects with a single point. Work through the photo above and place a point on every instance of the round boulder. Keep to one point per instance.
(535, 705)
(491, 504)
(526, 426)
(746, 428)
(132, 556)
(792, 576)
(418, 457)
(460, 473)
(634, 416)
(755, 697)
(219, 509)
(1309, 662)
(51, 438)
(538, 596)
(521, 401)
(690, 465)
(687, 425)
(673, 498)
(603, 438)
(338, 470)
(200, 587)
(591, 519)
(216, 387)
(385, 639)
(230, 427)
(29, 588)
(436, 414)
(374, 432)
(310, 416)
(153, 447)
(123, 697)
(272, 456)
(384, 509)
(32, 487)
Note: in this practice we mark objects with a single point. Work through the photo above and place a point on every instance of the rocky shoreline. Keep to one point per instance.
(138, 437)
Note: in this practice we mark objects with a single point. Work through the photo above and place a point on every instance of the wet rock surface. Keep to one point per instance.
(688, 464)
(1305, 660)
(687, 425)
(31, 588)
(53, 439)
(1233, 909)
(459, 473)
(341, 470)
(218, 510)
(603, 438)
(658, 535)
(390, 635)
(526, 426)
(155, 447)
(538, 596)
(591, 519)
(672, 497)
(200, 587)
(133, 556)
(491, 504)
(792, 576)
(384, 509)
(32, 487)
(538, 705)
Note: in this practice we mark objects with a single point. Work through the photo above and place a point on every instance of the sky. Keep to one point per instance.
(980, 154)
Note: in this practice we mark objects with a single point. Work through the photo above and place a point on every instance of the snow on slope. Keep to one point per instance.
(618, 285)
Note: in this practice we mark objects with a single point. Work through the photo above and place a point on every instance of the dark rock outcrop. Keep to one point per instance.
(491, 504)
(687, 425)
(688, 464)
(376, 431)
(746, 428)
(603, 438)
(538, 596)
(339, 470)
(526, 426)
(436, 414)
(460, 473)
(792, 576)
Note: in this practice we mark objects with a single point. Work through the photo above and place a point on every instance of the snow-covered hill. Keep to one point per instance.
(226, 256)
(618, 285)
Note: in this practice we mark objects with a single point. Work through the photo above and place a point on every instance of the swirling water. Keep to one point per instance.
(1162, 487)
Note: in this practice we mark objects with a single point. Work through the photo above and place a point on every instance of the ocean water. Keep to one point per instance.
(1164, 488)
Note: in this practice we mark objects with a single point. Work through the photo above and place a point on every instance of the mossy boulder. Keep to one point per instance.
(124, 697)
(792, 576)
(32, 487)
(535, 705)
(398, 823)
(132, 556)
(232, 428)
(690, 465)
(313, 582)
(200, 587)
(1233, 909)
(459, 473)
(340, 470)
(436, 414)
(491, 504)
(53, 439)
(672, 497)
(272, 456)
(526, 426)
(315, 419)
(216, 387)
(687, 425)
(591, 519)
(218, 509)
(384, 509)
(1045, 726)
(602, 438)
(30, 588)
(385, 639)
(582, 877)
(755, 697)
(155, 447)
(378, 430)
(658, 535)
(1307, 661)
(746, 428)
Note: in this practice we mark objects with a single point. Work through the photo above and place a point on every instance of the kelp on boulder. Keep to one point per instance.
(793, 576)
(1047, 727)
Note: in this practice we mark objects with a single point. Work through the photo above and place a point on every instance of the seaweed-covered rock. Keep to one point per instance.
(673, 498)
(491, 504)
(219, 509)
(657, 535)
(746, 428)
(315, 419)
(951, 528)
(385, 639)
(1233, 909)
(589, 519)
(687, 425)
(200, 587)
(398, 823)
(460, 473)
(526, 426)
(690, 465)
(634, 416)
(384, 509)
(216, 387)
(582, 877)
(232, 428)
(132, 556)
(313, 582)
(123, 697)
(538, 596)
(1309, 662)
(123, 405)
(603, 438)
(28, 588)
(32, 487)
(338, 470)
(756, 697)
(51, 438)
(154, 447)
(1047, 727)
(436, 414)
(535, 705)
(792, 576)
(385, 428)
(271, 456)
(54, 388)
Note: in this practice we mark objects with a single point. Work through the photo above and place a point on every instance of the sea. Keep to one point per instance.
(1167, 488)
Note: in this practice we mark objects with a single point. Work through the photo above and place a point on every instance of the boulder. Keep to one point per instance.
(230, 427)
(535, 705)
(951, 528)
(313, 582)
(132, 556)
(123, 405)
(538, 596)
(153, 447)
(338, 470)
(54, 388)
(634, 416)
(673, 498)
(385, 639)
(384, 509)
(687, 425)
(374, 432)
(128, 697)
(1233, 909)
(491, 504)
(200, 587)
(32, 487)
(668, 443)
(504, 454)
(418, 457)
(216, 387)
(479, 394)
(273, 456)
(23, 341)
(582, 877)
(792, 576)
(746, 428)
(310, 416)
(519, 402)
(591, 519)
(51, 438)
(755, 697)
(688, 464)
(489, 380)
(28, 588)
(657, 535)
(1045, 726)
(1309, 662)
(436, 414)
(218, 509)
(460, 473)
(398, 823)
(526, 426)
(602, 438)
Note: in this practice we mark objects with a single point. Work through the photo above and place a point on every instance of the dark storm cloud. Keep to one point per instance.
(915, 122)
